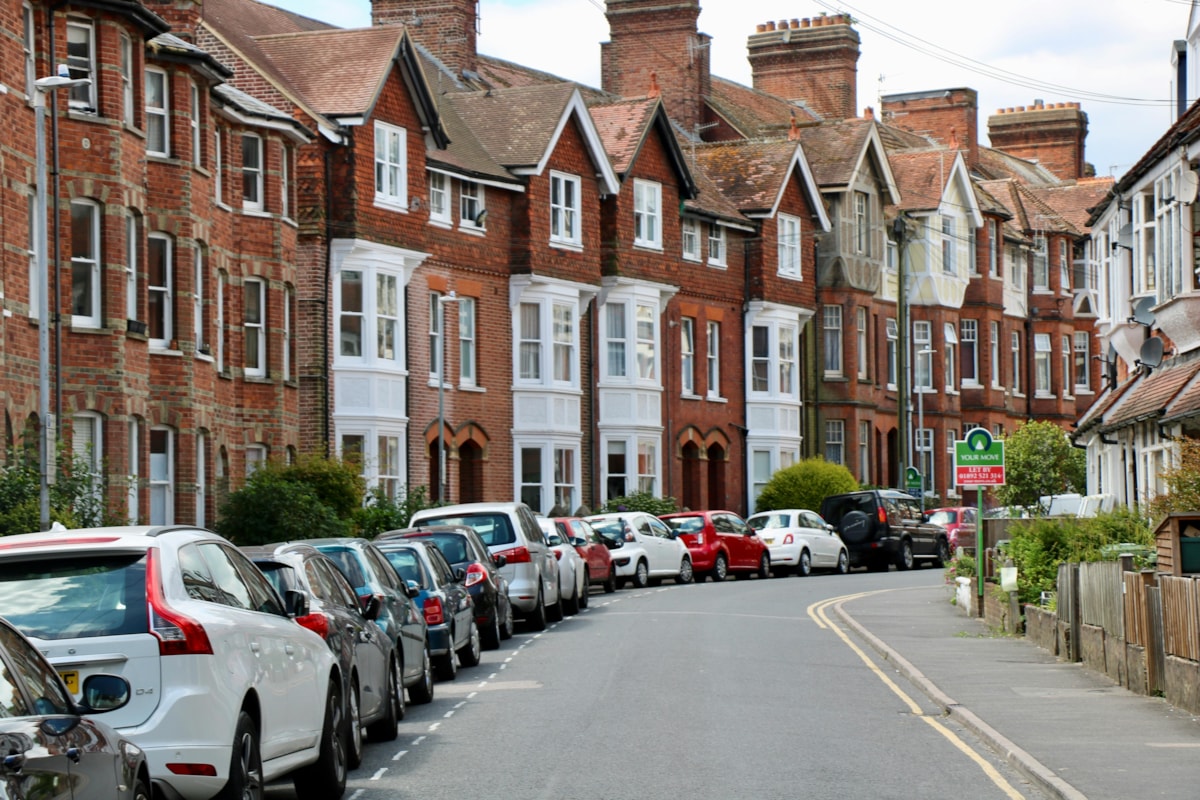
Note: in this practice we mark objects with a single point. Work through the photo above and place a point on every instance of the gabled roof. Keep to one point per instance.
(519, 127)
(1152, 394)
(496, 73)
(755, 114)
(1051, 209)
(996, 165)
(838, 152)
(1094, 416)
(988, 202)
(625, 125)
(464, 155)
(169, 47)
(1075, 201)
(925, 176)
(1185, 130)
(754, 175)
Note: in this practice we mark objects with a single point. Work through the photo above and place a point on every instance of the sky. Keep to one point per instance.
(1112, 56)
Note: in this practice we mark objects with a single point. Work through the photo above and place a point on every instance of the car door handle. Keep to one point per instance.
(14, 762)
(289, 648)
(254, 646)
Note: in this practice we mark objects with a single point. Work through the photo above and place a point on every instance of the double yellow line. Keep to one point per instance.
(819, 613)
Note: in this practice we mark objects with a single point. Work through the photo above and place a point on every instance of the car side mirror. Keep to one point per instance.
(412, 588)
(295, 602)
(499, 561)
(103, 693)
(460, 574)
(371, 607)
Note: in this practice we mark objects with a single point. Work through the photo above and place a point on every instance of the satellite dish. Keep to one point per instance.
(1189, 182)
(1152, 352)
(1125, 236)
(1142, 314)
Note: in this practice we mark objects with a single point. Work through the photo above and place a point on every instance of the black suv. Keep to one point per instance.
(885, 526)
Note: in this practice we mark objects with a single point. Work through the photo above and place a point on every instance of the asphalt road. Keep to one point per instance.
(714, 691)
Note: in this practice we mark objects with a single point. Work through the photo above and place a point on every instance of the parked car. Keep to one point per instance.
(593, 548)
(449, 611)
(399, 616)
(370, 671)
(41, 725)
(188, 620)
(885, 526)
(800, 541)
(463, 548)
(510, 530)
(646, 548)
(959, 522)
(720, 543)
(573, 584)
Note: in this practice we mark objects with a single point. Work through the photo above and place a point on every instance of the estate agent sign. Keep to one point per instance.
(979, 460)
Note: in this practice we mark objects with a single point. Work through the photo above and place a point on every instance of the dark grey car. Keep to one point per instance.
(885, 526)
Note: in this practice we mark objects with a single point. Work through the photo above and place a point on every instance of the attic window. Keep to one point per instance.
(391, 166)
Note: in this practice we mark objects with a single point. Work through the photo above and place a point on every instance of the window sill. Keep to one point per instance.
(163, 158)
(291, 223)
(159, 350)
(1082, 391)
(972, 385)
(390, 204)
(718, 265)
(691, 259)
(574, 247)
(432, 383)
(261, 379)
(689, 396)
(223, 205)
(256, 212)
(472, 230)
(462, 387)
(789, 277)
(836, 377)
(652, 246)
(445, 224)
(716, 399)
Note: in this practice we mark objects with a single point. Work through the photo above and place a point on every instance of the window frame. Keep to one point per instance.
(788, 241)
(253, 175)
(89, 263)
(391, 166)
(687, 356)
(160, 315)
(968, 332)
(82, 97)
(689, 239)
(472, 205)
(1043, 354)
(158, 117)
(835, 441)
(1082, 361)
(194, 123)
(29, 49)
(862, 224)
(199, 313)
(831, 335)
(647, 214)
(440, 195)
(254, 331)
(716, 246)
(862, 342)
(125, 66)
(565, 209)
(713, 359)
(161, 484)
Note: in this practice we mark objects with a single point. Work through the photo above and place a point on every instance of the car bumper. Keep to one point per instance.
(784, 555)
(879, 549)
(439, 639)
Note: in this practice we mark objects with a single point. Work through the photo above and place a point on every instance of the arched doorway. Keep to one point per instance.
(470, 472)
(692, 486)
(718, 465)
(893, 463)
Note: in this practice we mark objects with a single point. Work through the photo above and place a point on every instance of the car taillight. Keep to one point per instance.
(178, 634)
(699, 539)
(558, 555)
(517, 555)
(434, 614)
(787, 539)
(205, 770)
(475, 574)
(317, 623)
(882, 512)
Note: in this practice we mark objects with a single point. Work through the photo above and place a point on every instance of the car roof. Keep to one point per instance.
(118, 537)
(784, 511)
(466, 508)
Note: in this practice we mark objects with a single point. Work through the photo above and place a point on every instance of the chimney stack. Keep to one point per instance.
(1052, 135)
(658, 37)
(948, 116)
(814, 60)
(446, 28)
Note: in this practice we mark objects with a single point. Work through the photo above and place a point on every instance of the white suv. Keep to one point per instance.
(228, 692)
(510, 530)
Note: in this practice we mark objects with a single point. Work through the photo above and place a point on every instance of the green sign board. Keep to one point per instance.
(979, 460)
(912, 479)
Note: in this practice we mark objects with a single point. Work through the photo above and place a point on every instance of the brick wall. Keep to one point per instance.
(810, 60)
(948, 116)
(1053, 135)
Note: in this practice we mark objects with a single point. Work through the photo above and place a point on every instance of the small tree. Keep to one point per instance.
(805, 485)
(1040, 460)
(383, 513)
(1182, 481)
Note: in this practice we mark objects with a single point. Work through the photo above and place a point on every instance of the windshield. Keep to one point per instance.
(943, 518)
(613, 528)
(686, 524)
(71, 598)
(494, 529)
(764, 521)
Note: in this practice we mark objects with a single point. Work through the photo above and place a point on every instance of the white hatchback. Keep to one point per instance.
(228, 691)
(648, 549)
(800, 541)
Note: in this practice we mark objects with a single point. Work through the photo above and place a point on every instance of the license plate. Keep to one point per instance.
(770, 540)
(71, 679)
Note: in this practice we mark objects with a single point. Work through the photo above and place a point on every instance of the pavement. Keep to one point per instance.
(1072, 732)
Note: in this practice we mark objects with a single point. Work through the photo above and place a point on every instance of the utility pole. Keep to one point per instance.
(900, 230)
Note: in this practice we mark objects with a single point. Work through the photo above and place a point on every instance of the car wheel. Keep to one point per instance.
(447, 664)
(506, 630)
(354, 738)
(141, 789)
(843, 566)
(943, 553)
(686, 574)
(585, 594)
(384, 730)
(720, 570)
(326, 777)
(764, 566)
(610, 585)
(492, 635)
(245, 766)
(804, 565)
(571, 605)
(537, 620)
(620, 583)
(904, 559)
(469, 655)
(555, 612)
(422, 692)
(641, 575)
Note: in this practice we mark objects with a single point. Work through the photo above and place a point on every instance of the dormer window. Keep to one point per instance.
(391, 166)
(647, 214)
(564, 208)
(471, 210)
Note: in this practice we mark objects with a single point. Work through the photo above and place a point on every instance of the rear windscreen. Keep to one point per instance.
(453, 547)
(494, 529)
(76, 597)
(686, 524)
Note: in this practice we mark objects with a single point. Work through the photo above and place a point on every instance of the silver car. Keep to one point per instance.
(510, 530)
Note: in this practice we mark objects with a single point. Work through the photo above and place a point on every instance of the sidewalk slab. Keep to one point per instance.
(1072, 731)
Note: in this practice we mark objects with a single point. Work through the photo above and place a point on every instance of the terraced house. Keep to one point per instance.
(278, 237)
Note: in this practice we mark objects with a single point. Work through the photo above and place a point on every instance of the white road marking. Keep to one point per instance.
(379, 773)
(399, 755)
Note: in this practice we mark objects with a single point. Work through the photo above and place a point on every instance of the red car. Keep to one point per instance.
(592, 549)
(720, 543)
(959, 522)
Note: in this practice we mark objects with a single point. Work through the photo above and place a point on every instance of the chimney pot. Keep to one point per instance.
(795, 23)
(806, 23)
(770, 26)
(783, 24)
(760, 28)
(868, 113)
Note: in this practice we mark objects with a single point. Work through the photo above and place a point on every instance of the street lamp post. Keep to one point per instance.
(43, 87)
(443, 301)
(928, 354)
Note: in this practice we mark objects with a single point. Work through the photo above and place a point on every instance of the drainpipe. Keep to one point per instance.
(325, 305)
(900, 229)
(57, 307)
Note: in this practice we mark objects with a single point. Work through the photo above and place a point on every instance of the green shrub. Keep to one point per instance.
(642, 501)
(271, 508)
(382, 513)
(805, 485)
(337, 484)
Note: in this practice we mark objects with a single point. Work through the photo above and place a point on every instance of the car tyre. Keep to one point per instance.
(447, 664)
(610, 585)
(620, 583)
(141, 789)
(943, 553)
(384, 730)
(555, 612)
(492, 635)
(422, 692)
(537, 619)
(720, 570)
(904, 559)
(641, 575)
(506, 630)
(585, 596)
(804, 565)
(354, 738)
(571, 605)
(469, 655)
(843, 566)
(326, 777)
(686, 573)
(764, 566)
(245, 765)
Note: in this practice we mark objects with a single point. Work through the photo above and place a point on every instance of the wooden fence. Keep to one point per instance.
(1101, 597)
(1181, 626)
